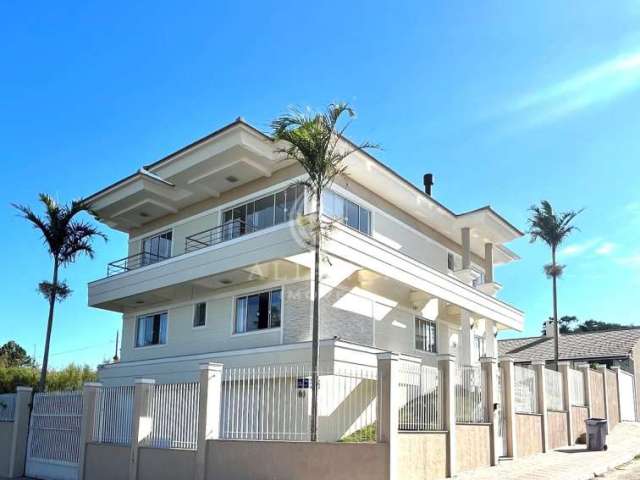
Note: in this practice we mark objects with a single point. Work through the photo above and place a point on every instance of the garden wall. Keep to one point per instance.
(473, 446)
(558, 435)
(612, 398)
(528, 434)
(422, 455)
(597, 394)
(6, 438)
(578, 417)
(106, 462)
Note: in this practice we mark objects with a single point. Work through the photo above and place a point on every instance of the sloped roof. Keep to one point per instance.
(573, 346)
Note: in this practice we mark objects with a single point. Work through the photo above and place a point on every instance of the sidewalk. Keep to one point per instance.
(569, 463)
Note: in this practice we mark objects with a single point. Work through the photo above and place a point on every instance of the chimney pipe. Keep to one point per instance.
(428, 183)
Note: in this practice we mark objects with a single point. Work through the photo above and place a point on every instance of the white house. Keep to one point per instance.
(218, 268)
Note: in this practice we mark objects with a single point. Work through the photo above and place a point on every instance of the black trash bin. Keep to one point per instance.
(597, 431)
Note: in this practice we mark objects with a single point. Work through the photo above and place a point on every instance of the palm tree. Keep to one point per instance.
(552, 229)
(314, 140)
(65, 238)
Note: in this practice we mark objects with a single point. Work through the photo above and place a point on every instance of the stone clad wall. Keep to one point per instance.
(578, 416)
(558, 435)
(597, 394)
(528, 434)
(612, 397)
(473, 446)
(422, 455)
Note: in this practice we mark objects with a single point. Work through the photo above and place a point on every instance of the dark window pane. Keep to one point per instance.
(239, 220)
(365, 216)
(263, 315)
(295, 201)
(351, 214)
(263, 216)
(276, 308)
(253, 313)
(280, 213)
(200, 314)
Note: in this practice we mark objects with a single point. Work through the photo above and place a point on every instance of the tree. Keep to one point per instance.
(566, 322)
(13, 355)
(65, 238)
(71, 377)
(553, 229)
(315, 141)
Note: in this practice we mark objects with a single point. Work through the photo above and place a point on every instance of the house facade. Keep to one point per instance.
(220, 268)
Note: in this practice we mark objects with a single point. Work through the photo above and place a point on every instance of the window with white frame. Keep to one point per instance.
(264, 212)
(200, 314)
(258, 311)
(425, 333)
(479, 277)
(345, 211)
(156, 247)
(451, 262)
(151, 329)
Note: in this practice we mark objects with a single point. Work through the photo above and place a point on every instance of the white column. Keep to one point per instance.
(210, 403)
(142, 421)
(89, 396)
(490, 338)
(488, 262)
(24, 396)
(387, 431)
(490, 376)
(508, 407)
(565, 370)
(447, 371)
(539, 367)
(466, 339)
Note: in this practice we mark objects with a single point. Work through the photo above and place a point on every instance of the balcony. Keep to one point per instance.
(197, 241)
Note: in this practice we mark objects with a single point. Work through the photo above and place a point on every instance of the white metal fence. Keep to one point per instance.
(420, 398)
(525, 390)
(576, 383)
(627, 397)
(553, 390)
(174, 412)
(54, 434)
(113, 415)
(470, 406)
(7, 407)
(274, 403)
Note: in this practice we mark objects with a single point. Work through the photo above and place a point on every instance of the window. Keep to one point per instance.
(151, 329)
(451, 261)
(481, 346)
(346, 211)
(425, 335)
(258, 311)
(200, 314)
(264, 212)
(479, 279)
(156, 248)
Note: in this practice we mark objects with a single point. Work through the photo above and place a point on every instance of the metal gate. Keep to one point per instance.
(53, 451)
(501, 444)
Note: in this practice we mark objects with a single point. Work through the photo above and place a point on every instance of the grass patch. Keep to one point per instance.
(365, 434)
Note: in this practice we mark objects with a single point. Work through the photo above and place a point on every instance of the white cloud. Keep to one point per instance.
(578, 248)
(606, 248)
(599, 84)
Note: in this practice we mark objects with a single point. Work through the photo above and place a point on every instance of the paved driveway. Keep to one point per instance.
(570, 463)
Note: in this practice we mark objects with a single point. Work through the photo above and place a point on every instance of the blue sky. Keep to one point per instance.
(506, 103)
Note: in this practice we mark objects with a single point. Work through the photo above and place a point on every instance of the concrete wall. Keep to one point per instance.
(473, 446)
(612, 397)
(597, 394)
(636, 372)
(6, 440)
(528, 434)
(578, 416)
(422, 455)
(558, 435)
(241, 460)
(165, 464)
(106, 462)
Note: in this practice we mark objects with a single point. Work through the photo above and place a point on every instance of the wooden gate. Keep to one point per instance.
(53, 451)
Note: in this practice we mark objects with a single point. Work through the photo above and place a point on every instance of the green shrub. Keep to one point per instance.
(72, 377)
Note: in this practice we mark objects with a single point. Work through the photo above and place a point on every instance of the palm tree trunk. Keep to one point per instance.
(556, 344)
(315, 343)
(52, 302)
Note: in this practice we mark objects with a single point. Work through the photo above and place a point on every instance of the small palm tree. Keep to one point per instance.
(65, 238)
(314, 140)
(552, 229)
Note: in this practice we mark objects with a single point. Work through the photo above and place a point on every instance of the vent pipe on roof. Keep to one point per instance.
(428, 183)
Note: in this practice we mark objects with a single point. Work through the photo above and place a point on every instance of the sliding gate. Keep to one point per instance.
(53, 451)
